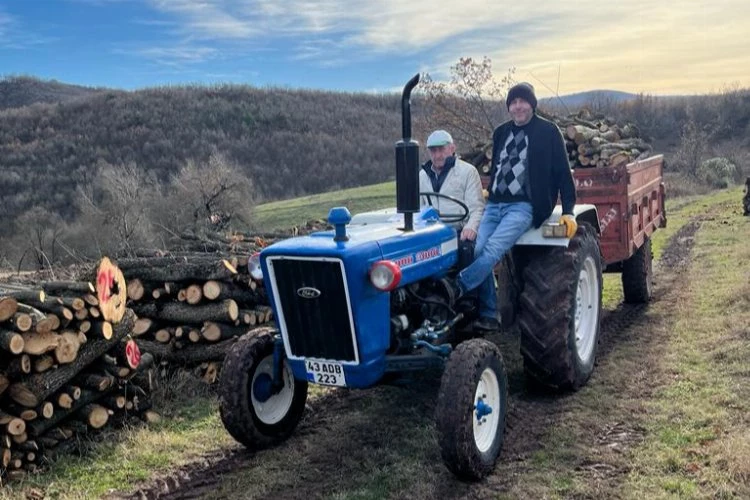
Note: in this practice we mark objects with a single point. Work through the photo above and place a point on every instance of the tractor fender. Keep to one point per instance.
(582, 212)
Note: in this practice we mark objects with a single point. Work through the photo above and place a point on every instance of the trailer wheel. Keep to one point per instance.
(471, 407)
(560, 310)
(638, 276)
(251, 412)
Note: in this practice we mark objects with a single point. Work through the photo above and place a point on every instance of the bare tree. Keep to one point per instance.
(115, 205)
(471, 104)
(39, 232)
(210, 195)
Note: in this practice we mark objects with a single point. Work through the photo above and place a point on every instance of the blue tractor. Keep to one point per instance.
(366, 304)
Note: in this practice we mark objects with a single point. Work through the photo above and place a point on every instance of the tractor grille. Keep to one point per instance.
(313, 303)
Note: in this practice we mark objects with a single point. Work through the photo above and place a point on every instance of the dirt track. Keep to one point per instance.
(328, 450)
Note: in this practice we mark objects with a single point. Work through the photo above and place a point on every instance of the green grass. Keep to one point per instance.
(116, 459)
(282, 215)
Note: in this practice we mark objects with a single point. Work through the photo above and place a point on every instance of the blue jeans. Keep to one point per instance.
(501, 226)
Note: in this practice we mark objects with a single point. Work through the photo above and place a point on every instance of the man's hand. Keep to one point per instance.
(468, 234)
(570, 224)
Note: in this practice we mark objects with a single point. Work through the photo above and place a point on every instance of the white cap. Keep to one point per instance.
(439, 138)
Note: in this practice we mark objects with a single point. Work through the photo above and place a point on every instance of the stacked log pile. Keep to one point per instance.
(590, 141)
(67, 366)
(193, 305)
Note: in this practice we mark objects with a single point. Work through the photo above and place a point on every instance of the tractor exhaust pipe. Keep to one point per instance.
(407, 162)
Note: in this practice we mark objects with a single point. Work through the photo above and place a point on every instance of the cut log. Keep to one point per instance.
(61, 287)
(22, 322)
(36, 388)
(248, 317)
(136, 289)
(84, 326)
(8, 307)
(64, 400)
(40, 343)
(15, 427)
(118, 401)
(4, 382)
(111, 291)
(74, 391)
(194, 294)
(168, 269)
(143, 326)
(94, 381)
(211, 289)
(101, 329)
(81, 314)
(18, 366)
(67, 348)
(20, 438)
(94, 415)
(212, 373)
(163, 335)
(189, 355)
(50, 305)
(245, 296)
(74, 303)
(43, 363)
(177, 312)
(214, 332)
(11, 341)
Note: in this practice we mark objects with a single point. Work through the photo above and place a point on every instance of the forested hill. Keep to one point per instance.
(19, 91)
(289, 142)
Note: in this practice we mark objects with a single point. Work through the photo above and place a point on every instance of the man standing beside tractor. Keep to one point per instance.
(529, 169)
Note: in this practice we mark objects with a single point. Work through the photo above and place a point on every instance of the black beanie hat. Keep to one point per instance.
(523, 90)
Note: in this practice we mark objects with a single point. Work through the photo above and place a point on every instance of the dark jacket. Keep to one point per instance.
(549, 170)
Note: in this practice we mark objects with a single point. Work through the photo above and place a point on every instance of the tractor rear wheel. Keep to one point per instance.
(560, 311)
(471, 408)
(253, 412)
(638, 275)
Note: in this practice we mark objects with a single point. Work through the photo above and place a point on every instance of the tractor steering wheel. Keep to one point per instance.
(449, 218)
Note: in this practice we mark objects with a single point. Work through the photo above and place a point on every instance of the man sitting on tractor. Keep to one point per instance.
(447, 174)
(529, 169)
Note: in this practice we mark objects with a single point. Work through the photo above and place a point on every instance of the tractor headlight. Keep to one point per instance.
(385, 275)
(253, 267)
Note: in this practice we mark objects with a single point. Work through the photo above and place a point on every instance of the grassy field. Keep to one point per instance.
(281, 215)
(666, 414)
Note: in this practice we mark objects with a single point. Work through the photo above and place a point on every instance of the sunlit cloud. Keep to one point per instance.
(634, 45)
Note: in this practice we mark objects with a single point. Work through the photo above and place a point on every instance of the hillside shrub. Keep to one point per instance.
(717, 172)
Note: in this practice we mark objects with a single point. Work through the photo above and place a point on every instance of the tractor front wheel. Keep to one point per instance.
(252, 410)
(471, 407)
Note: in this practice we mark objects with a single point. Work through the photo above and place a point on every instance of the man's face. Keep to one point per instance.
(438, 154)
(520, 111)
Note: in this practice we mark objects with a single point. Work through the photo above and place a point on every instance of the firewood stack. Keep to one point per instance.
(590, 141)
(66, 365)
(192, 306)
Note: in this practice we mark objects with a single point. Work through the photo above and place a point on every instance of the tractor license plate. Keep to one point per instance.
(325, 372)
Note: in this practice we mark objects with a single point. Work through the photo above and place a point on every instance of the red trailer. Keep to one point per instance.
(630, 202)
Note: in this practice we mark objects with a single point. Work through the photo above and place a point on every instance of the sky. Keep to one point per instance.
(658, 47)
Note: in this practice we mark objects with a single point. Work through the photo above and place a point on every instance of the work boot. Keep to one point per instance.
(486, 324)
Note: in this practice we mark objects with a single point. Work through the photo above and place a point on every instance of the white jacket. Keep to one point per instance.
(462, 182)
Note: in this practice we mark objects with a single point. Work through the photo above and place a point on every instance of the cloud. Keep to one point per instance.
(177, 55)
(631, 44)
(15, 36)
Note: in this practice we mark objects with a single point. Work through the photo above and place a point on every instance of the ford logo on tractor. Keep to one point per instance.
(308, 292)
